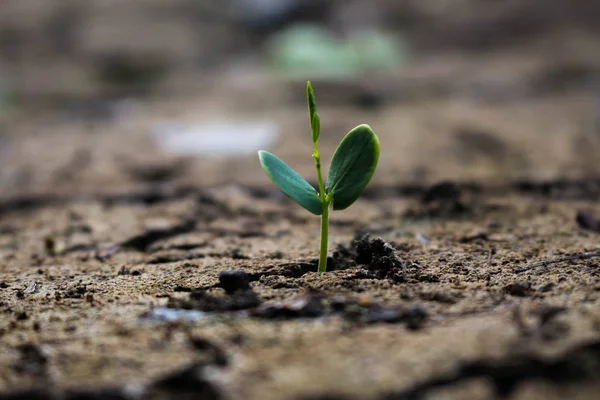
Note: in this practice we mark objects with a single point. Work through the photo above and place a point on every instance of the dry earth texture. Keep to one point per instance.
(469, 269)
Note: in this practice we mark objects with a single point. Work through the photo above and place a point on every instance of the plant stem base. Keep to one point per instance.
(324, 238)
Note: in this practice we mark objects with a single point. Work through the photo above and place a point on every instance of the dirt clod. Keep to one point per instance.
(444, 191)
(587, 221)
(32, 361)
(203, 301)
(233, 280)
(190, 382)
(363, 309)
(215, 353)
(377, 255)
(306, 306)
(518, 288)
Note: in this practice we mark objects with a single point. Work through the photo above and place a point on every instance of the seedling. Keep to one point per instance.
(351, 169)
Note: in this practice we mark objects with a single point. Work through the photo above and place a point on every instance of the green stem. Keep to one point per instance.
(325, 200)
(317, 158)
(324, 237)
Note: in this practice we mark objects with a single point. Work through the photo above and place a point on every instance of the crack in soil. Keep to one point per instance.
(144, 240)
(579, 364)
(560, 189)
(149, 196)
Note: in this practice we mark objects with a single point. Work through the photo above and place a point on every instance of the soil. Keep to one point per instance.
(469, 269)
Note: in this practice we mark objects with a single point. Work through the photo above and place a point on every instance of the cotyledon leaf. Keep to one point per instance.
(352, 166)
(290, 183)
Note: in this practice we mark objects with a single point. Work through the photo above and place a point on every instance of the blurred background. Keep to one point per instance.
(110, 95)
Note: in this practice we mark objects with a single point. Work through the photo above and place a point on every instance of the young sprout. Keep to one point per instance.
(351, 169)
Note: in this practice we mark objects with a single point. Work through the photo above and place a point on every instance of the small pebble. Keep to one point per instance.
(587, 221)
(233, 280)
(31, 288)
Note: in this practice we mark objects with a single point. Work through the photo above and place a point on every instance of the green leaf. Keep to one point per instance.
(290, 183)
(352, 166)
(315, 122)
(315, 126)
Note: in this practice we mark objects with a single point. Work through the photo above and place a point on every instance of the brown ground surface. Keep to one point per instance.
(92, 250)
